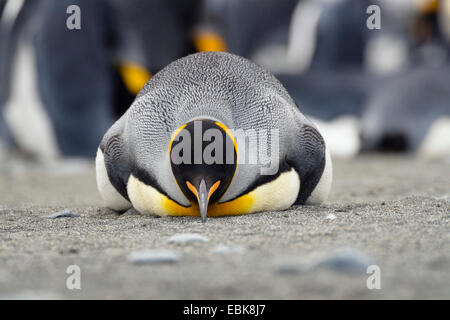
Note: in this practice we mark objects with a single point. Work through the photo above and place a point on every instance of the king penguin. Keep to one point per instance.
(145, 159)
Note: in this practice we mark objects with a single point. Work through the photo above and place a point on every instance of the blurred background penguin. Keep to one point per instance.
(409, 109)
(61, 88)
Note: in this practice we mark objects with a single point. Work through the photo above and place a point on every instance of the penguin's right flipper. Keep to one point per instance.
(311, 159)
(113, 169)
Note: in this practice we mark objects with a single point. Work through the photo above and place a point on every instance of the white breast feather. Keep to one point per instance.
(111, 197)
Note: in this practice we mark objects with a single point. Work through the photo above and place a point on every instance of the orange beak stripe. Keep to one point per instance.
(211, 190)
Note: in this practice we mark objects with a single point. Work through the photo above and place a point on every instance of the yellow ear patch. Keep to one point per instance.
(174, 135)
(230, 134)
(209, 41)
(427, 6)
(134, 76)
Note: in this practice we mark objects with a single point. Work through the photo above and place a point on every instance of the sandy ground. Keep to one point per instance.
(395, 210)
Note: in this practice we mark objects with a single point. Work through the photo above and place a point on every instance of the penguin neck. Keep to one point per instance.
(216, 110)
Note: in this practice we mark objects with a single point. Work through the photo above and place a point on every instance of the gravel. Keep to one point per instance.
(393, 210)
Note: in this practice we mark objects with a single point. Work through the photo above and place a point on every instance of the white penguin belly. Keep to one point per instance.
(323, 187)
(111, 197)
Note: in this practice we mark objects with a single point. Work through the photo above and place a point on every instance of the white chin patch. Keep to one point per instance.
(322, 190)
(437, 142)
(111, 197)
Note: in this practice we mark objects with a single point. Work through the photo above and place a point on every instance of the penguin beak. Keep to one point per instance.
(203, 194)
(203, 200)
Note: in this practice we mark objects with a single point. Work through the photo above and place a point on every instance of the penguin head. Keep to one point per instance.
(203, 159)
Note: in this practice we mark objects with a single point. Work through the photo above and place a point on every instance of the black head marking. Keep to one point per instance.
(203, 149)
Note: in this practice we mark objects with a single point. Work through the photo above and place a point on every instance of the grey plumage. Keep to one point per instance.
(221, 86)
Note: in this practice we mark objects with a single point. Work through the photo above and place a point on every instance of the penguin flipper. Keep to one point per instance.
(113, 169)
(311, 159)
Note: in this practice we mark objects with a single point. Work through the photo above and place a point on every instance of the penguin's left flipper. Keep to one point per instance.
(113, 169)
(309, 156)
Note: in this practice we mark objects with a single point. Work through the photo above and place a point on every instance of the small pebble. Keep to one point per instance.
(63, 214)
(223, 249)
(68, 251)
(330, 217)
(287, 269)
(346, 260)
(154, 256)
(187, 238)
